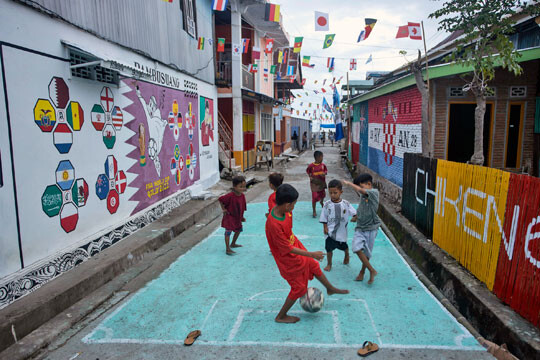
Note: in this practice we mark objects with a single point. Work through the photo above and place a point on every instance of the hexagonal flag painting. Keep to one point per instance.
(98, 117)
(51, 200)
(44, 115)
(111, 167)
(80, 192)
(65, 175)
(102, 186)
(117, 118)
(69, 216)
(113, 200)
(173, 166)
(58, 92)
(107, 99)
(62, 138)
(120, 182)
(75, 116)
(109, 136)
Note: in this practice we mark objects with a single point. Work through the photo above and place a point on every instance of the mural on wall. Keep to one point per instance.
(111, 184)
(169, 142)
(107, 118)
(65, 197)
(206, 109)
(59, 117)
(394, 129)
(360, 133)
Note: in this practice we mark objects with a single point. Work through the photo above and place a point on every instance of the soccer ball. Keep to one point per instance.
(313, 300)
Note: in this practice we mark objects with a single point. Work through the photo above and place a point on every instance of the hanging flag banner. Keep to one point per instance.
(328, 40)
(370, 59)
(298, 44)
(272, 13)
(370, 24)
(252, 68)
(415, 32)
(220, 45)
(269, 46)
(280, 57)
(245, 46)
(236, 50)
(403, 32)
(200, 45)
(337, 117)
(325, 105)
(273, 69)
(305, 62)
(265, 74)
(330, 65)
(256, 52)
(321, 21)
(352, 65)
(219, 5)
(290, 70)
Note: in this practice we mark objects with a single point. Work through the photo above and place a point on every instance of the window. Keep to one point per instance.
(266, 126)
(91, 72)
(189, 17)
(518, 91)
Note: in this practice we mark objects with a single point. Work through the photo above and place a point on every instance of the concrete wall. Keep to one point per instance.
(87, 163)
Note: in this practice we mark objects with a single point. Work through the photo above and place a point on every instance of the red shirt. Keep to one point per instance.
(271, 201)
(235, 206)
(318, 176)
(281, 241)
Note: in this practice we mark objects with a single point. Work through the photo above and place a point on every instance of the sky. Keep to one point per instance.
(346, 20)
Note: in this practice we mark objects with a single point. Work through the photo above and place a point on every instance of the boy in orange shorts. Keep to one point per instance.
(295, 263)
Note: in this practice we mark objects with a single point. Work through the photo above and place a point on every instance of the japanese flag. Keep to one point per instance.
(415, 32)
(321, 21)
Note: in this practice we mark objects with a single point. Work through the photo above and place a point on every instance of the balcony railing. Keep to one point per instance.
(248, 79)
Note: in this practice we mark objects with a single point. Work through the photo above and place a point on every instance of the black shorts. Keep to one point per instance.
(332, 244)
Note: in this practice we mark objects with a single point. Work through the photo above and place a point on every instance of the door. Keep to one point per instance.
(513, 135)
(461, 132)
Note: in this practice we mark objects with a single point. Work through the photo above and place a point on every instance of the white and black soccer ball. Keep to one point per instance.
(313, 300)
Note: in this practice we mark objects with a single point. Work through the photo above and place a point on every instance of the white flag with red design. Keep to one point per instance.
(415, 31)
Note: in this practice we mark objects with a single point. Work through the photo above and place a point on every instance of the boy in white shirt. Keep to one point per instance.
(335, 216)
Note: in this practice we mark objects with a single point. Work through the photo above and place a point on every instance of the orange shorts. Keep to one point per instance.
(300, 282)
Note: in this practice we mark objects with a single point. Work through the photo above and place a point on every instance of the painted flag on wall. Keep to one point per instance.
(353, 64)
(415, 31)
(256, 52)
(220, 44)
(305, 61)
(200, 45)
(269, 46)
(219, 5)
(272, 13)
(290, 70)
(330, 64)
(370, 59)
(65, 175)
(245, 46)
(252, 68)
(321, 21)
(75, 115)
(298, 44)
(403, 32)
(328, 40)
(273, 69)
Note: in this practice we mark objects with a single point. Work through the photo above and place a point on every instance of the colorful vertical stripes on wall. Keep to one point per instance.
(487, 219)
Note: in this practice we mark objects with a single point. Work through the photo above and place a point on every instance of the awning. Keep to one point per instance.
(262, 98)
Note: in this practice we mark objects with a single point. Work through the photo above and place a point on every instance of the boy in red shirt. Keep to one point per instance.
(295, 263)
(233, 205)
(317, 180)
(274, 181)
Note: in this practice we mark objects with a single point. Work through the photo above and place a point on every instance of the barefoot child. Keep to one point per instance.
(233, 205)
(335, 216)
(274, 180)
(367, 223)
(317, 180)
(295, 263)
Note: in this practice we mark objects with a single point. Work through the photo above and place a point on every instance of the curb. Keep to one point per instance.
(31, 312)
(461, 290)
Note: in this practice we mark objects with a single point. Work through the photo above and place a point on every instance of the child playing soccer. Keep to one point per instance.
(335, 216)
(274, 181)
(233, 205)
(317, 180)
(367, 223)
(295, 263)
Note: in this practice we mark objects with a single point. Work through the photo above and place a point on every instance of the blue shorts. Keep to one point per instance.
(229, 232)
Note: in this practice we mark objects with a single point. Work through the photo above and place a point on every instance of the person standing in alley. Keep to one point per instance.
(304, 141)
(294, 139)
(233, 205)
(317, 180)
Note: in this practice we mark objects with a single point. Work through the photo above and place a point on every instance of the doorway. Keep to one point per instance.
(461, 132)
(513, 135)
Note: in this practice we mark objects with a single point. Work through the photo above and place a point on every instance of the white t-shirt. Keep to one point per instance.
(336, 216)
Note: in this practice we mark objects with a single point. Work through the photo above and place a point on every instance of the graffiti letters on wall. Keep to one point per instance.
(166, 140)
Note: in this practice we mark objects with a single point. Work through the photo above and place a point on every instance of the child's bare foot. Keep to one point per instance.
(314, 214)
(328, 268)
(360, 277)
(230, 252)
(372, 277)
(288, 319)
(346, 259)
(236, 245)
(333, 290)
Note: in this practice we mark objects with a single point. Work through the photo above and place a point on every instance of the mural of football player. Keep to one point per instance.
(156, 128)
(207, 124)
(142, 145)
